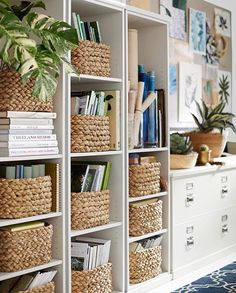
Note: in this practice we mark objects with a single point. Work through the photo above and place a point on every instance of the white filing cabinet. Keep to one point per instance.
(203, 216)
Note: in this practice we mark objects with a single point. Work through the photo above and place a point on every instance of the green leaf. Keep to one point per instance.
(197, 122)
(45, 86)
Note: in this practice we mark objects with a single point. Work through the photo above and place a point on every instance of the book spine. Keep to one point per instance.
(83, 30)
(27, 138)
(29, 127)
(75, 22)
(19, 114)
(27, 171)
(31, 144)
(33, 151)
(79, 27)
(10, 172)
(21, 121)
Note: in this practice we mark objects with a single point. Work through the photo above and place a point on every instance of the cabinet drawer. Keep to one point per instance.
(192, 196)
(203, 236)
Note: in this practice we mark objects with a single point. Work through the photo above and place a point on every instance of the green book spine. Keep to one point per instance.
(10, 172)
(83, 30)
(27, 171)
(79, 27)
(95, 26)
(106, 176)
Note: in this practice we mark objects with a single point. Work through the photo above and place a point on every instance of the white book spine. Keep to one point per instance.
(28, 144)
(26, 121)
(20, 114)
(30, 127)
(27, 137)
(33, 151)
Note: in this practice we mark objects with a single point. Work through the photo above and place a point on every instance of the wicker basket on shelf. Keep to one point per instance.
(92, 58)
(144, 179)
(25, 249)
(145, 219)
(144, 265)
(90, 133)
(21, 198)
(98, 280)
(47, 288)
(17, 96)
(89, 209)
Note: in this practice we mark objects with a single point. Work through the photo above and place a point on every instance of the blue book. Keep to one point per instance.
(152, 110)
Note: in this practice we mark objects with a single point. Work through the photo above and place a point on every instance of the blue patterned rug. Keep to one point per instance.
(221, 281)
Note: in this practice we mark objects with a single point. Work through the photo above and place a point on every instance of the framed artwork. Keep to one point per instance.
(197, 31)
(190, 90)
(172, 79)
(224, 86)
(222, 22)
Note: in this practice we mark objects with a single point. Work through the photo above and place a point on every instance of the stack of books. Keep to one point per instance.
(86, 30)
(90, 176)
(89, 253)
(145, 244)
(27, 134)
(27, 282)
(100, 103)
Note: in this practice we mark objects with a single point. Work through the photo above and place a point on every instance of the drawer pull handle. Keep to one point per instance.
(224, 191)
(190, 242)
(225, 229)
(189, 200)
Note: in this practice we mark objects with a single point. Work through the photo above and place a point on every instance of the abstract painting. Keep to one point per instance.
(172, 79)
(177, 24)
(222, 22)
(197, 31)
(190, 90)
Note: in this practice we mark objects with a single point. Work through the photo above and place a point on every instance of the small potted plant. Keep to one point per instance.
(204, 155)
(33, 47)
(181, 152)
(212, 124)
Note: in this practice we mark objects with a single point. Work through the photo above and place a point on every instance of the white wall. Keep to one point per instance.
(231, 5)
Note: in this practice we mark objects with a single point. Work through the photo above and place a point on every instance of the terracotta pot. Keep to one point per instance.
(183, 161)
(215, 141)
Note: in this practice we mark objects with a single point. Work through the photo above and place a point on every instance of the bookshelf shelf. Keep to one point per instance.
(8, 222)
(111, 225)
(160, 232)
(52, 263)
(96, 154)
(148, 150)
(29, 158)
(135, 199)
(94, 79)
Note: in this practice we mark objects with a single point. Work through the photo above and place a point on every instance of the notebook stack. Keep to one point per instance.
(27, 134)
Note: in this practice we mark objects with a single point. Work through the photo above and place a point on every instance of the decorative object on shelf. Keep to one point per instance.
(92, 58)
(48, 288)
(20, 198)
(204, 155)
(90, 133)
(91, 281)
(144, 179)
(212, 128)
(89, 209)
(145, 264)
(145, 217)
(32, 57)
(181, 152)
(25, 249)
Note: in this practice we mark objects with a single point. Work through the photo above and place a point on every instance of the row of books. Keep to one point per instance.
(86, 30)
(90, 176)
(22, 171)
(27, 133)
(27, 282)
(102, 103)
(136, 159)
(145, 243)
(89, 253)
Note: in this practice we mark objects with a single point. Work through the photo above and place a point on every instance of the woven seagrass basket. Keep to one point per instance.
(47, 288)
(25, 249)
(92, 58)
(98, 280)
(144, 179)
(144, 265)
(89, 209)
(16, 96)
(90, 133)
(145, 219)
(21, 198)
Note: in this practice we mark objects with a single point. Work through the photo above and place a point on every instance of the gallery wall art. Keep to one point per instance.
(203, 38)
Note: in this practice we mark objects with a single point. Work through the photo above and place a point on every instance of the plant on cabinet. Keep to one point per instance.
(32, 49)
(212, 126)
(181, 150)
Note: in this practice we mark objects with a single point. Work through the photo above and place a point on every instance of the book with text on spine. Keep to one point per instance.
(25, 121)
(27, 138)
(25, 132)
(25, 127)
(29, 151)
(32, 115)
(28, 144)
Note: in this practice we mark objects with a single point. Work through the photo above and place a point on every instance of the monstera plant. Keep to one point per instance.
(35, 45)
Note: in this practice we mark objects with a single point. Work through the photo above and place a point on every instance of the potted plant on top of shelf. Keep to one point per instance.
(212, 124)
(33, 47)
(181, 152)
